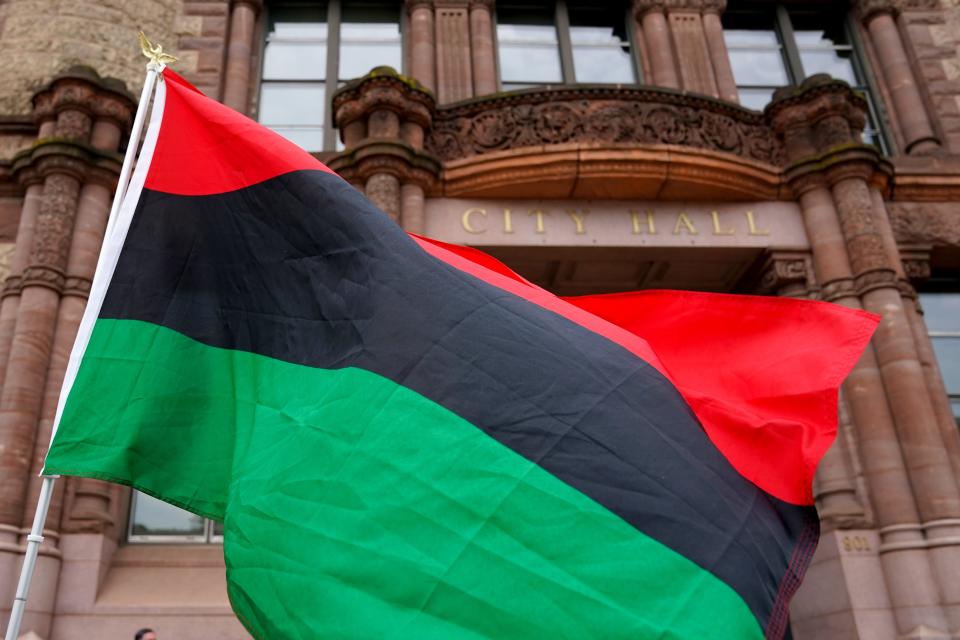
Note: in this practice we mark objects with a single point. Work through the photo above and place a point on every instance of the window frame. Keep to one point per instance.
(561, 24)
(793, 64)
(208, 536)
(331, 81)
(953, 395)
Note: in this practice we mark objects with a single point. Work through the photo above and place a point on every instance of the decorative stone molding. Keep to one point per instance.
(383, 89)
(838, 289)
(786, 274)
(409, 165)
(411, 5)
(82, 90)
(596, 114)
(916, 263)
(817, 116)
(641, 7)
(880, 278)
(865, 9)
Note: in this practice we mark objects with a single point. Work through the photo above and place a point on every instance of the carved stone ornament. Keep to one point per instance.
(838, 289)
(599, 115)
(641, 7)
(879, 279)
(383, 88)
(54, 229)
(817, 116)
(784, 275)
(865, 9)
(82, 89)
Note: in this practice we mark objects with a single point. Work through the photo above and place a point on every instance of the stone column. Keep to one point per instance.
(717, 46)
(422, 43)
(384, 117)
(820, 123)
(240, 47)
(481, 42)
(791, 274)
(879, 18)
(656, 34)
(113, 115)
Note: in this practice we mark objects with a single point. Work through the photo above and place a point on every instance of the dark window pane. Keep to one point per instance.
(152, 517)
(295, 60)
(835, 62)
(528, 49)
(941, 311)
(762, 67)
(369, 37)
(601, 48)
(948, 357)
(295, 111)
(296, 47)
(756, 55)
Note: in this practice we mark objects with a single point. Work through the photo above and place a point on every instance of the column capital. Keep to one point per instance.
(412, 5)
(77, 96)
(818, 115)
(640, 7)
(786, 273)
(866, 9)
(256, 5)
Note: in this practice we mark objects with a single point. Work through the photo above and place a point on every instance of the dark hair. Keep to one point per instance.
(139, 635)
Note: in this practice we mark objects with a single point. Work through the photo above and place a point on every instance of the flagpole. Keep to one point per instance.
(35, 538)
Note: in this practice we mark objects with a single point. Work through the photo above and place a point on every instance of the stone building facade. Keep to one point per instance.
(593, 147)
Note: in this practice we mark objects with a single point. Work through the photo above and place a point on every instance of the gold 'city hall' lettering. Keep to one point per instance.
(474, 220)
(684, 222)
(650, 222)
(579, 219)
(465, 220)
(539, 215)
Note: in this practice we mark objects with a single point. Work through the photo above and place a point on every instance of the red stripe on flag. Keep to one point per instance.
(214, 149)
(762, 374)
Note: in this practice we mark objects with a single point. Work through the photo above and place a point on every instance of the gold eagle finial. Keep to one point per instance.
(154, 52)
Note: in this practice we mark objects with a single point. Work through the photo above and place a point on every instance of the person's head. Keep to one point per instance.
(145, 634)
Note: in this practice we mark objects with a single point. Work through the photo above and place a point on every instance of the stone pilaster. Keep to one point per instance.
(240, 54)
(75, 162)
(835, 176)
(422, 43)
(683, 40)
(384, 117)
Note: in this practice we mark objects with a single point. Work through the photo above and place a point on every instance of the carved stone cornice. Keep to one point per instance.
(866, 9)
(599, 114)
(81, 89)
(392, 157)
(55, 155)
(875, 279)
(916, 263)
(411, 5)
(838, 289)
(383, 88)
(640, 7)
(818, 115)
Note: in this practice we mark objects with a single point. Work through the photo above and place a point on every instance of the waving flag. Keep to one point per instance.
(404, 439)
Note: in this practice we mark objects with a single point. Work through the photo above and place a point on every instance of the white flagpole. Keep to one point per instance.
(35, 538)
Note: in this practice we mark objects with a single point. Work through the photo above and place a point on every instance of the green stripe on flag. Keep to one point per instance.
(355, 507)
